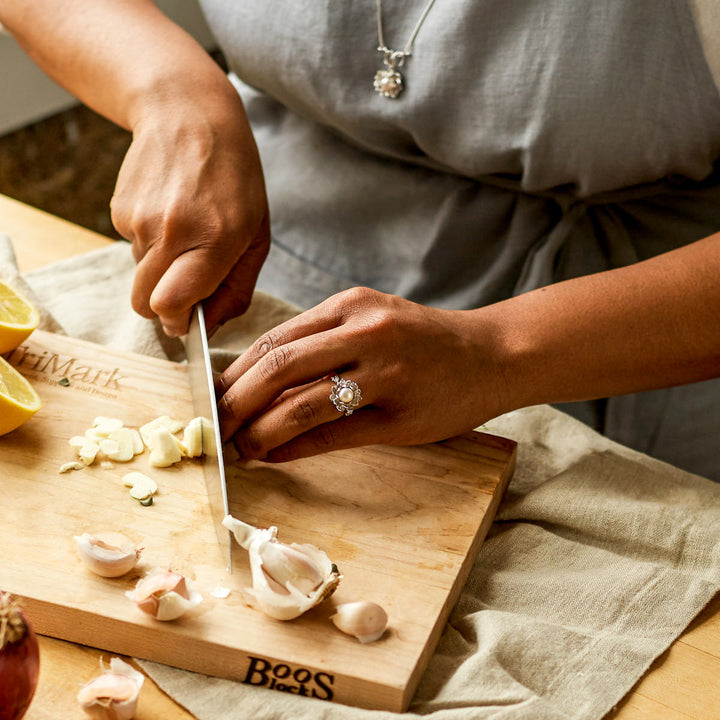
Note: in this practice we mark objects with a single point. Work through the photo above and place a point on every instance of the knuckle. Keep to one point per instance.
(303, 412)
(247, 445)
(275, 362)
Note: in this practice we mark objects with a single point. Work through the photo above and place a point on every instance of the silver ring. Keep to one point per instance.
(345, 395)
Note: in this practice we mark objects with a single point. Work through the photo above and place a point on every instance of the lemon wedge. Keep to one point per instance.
(18, 318)
(18, 400)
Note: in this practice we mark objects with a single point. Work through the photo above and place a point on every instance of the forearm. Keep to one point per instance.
(649, 325)
(123, 58)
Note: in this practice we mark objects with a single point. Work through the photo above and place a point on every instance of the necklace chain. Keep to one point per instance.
(389, 81)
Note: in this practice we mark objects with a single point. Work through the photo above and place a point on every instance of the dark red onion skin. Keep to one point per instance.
(19, 668)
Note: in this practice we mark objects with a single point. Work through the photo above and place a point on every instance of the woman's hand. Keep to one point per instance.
(190, 197)
(422, 374)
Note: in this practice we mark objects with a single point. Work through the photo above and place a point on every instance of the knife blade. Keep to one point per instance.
(202, 388)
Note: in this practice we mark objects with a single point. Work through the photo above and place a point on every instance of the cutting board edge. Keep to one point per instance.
(464, 571)
(53, 620)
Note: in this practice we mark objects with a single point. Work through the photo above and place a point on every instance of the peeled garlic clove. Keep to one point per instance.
(141, 486)
(108, 555)
(114, 694)
(364, 619)
(165, 449)
(288, 579)
(164, 595)
(198, 437)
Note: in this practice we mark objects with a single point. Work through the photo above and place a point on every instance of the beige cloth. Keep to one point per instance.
(597, 561)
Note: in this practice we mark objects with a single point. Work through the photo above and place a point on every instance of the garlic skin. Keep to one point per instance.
(164, 595)
(364, 619)
(114, 694)
(110, 555)
(288, 579)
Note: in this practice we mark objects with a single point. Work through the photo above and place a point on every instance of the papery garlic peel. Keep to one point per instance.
(288, 579)
(107, 554)
(164, 595)
(114, 693)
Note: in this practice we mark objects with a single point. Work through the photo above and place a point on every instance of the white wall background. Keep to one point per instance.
(27, 94)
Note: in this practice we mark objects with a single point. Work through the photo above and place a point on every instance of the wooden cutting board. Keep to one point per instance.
(404, 526)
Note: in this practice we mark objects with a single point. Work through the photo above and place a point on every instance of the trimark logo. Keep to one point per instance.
(52, 365)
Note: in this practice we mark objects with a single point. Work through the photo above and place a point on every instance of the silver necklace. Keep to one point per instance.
(389, 81)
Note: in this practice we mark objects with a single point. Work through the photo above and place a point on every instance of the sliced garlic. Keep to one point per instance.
(88, 452)
(164, 595)
(288, 579)
(165, 448)
(109, 554)
(114, 694)
(66, 467)
(199, 437)
(163, 421)
(364, 619)
(107, 425)
(119, 445)
(141, 486)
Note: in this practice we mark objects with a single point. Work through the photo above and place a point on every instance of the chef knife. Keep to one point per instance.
(202, 388)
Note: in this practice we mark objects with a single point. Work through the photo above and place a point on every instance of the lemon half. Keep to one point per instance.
(18, 318)
(18, 400)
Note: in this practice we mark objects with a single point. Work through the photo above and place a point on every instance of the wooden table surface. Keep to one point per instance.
(682, 684)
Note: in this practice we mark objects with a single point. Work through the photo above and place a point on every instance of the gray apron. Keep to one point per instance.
(536, 141)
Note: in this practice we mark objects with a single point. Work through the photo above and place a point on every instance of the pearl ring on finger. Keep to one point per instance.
(345, 395)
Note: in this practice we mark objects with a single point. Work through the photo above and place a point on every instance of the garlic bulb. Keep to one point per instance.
(108, 555)
(288, 579)
(114, 694)
(164, 595)
(364, 619)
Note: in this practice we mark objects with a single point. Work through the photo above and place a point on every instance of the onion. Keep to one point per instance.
(19, 660)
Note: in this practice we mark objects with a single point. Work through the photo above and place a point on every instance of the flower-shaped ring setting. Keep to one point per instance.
(345, 395)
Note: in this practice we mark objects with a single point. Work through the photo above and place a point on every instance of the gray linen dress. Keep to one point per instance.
(535, 141)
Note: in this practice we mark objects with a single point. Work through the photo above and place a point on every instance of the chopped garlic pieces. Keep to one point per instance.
(141, 486)
(66, 467)
(164, 421)
(165, 449)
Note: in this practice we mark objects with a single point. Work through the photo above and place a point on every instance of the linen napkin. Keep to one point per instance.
(598, 559)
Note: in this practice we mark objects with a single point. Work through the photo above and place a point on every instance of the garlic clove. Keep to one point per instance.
(364, 619)
(108, 554)
(165, 595)
(141, 486)
(165, 448)
(113, 694)
(288, 579)
(198, 437)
